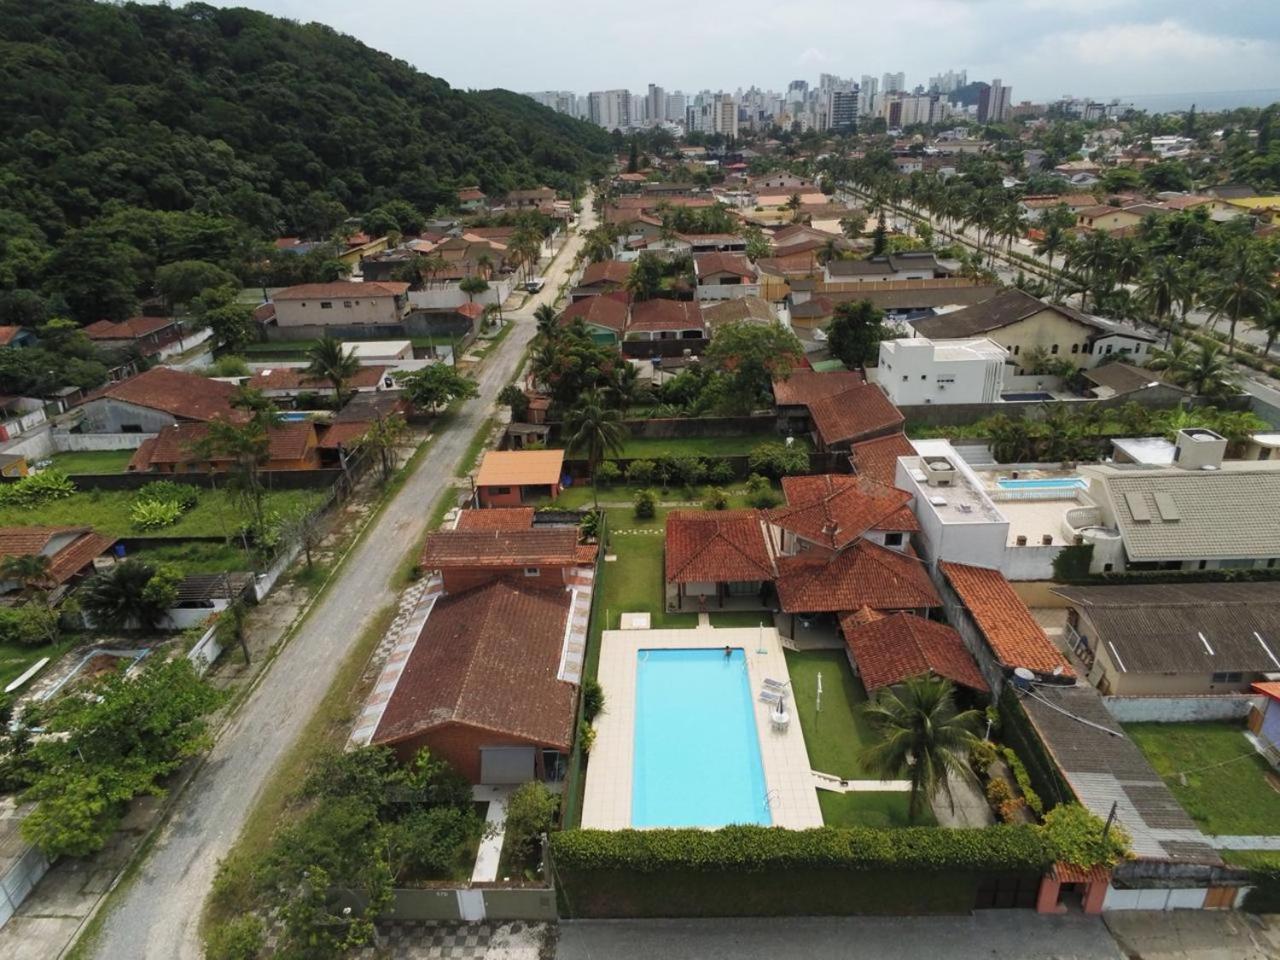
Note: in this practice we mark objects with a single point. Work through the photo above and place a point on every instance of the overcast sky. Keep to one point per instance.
(1043, 48)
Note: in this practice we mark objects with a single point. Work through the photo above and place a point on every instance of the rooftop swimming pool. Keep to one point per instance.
(696, 759)
(1037, 395)
(1044, 483)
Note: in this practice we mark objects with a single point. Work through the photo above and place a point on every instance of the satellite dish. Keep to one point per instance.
(1057, 671)
(1022, 673)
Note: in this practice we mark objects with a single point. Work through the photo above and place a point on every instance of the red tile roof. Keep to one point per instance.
(863, 575)
(184, 395)
(606, 310)
(7, 333)
(342, 290)
(803, 387)
(1012, 633)
(66, 562)
(858, 413)
(833, 510)
(487, 658)
(297, 378)
(335, 435)
(878, 458)
(1270, 688)
(891, 649)
(131, 329)
(706, 264)
(471, 310)
(717, 546)
(549, 546)
(663, 314)
(606, 271)
(466, 196)
(176, 444)
(496, 518)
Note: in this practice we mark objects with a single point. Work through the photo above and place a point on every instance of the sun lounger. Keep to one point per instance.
(776, 684)
(771, 696)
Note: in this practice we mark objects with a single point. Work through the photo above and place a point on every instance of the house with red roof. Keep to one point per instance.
(602, 277)
(725, 276)
(71, 551)
(177, 449)
(714, 557)
(11, 336)
(886, 649)
(290, 383)
(148, 335)
(838, 409)
(155, 399)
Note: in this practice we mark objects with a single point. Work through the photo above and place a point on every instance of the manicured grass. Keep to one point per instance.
(198, 556)
(634, 583)
(741, 618)
(1226, 790)
(579, 496)
(92, 461)
(649, 448)
(15, 658)
(877, 809)
(215, 513)
(836, 735)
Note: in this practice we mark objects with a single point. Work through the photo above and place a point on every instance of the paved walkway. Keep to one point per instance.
(826, 781)
(495, 822)
(1244, 842)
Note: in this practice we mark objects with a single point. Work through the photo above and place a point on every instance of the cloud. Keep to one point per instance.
(811, 55)
(1154, 43)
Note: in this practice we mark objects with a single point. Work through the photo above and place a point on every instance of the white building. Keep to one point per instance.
(918, 370)
(893, 82)
(610, 109)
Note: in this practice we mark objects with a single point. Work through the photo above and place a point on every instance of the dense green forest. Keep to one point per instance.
(139, 135)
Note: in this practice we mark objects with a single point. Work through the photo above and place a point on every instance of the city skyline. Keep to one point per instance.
(1111, 47)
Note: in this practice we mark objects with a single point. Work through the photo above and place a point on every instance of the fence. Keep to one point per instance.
(206, 650)
(271, 479)
(1183, 709)
(668, 428)
(740, 464)
(23, 874)
(470, 903)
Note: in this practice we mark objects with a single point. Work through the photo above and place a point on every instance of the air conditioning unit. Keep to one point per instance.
(1021, 541)
(939, 471)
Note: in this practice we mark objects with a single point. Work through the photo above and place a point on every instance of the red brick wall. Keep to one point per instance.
(460, 745)
(457, 579)
(490, 499)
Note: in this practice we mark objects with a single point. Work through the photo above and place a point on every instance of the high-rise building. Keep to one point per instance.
(797, 90)
(725, 115)
(655, 106)
(949, 82)
(562, 101)
(676, 102)
(1001, 100)
(610, 109)
(893, 82)
(842, 110)
(868, 90)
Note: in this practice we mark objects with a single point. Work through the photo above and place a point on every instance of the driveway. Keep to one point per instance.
(158, 914)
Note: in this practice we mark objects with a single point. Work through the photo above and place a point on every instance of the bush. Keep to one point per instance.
(240, 938)
(1075, 835)
(998, 792)
(154, 514)
(689, 471)
(716, 500)
(720, 472)
(36, 489)
(646, 505)
(982, 754)
(1011, 810)
(760, 493)
(1024, 781)
(28, 625)
(608, 473)
(531, 811)
(641, 472)
(183, 494)
(592, 699)
(777, 460)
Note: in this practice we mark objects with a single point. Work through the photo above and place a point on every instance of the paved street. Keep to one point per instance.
(158, 915)
(993, 935)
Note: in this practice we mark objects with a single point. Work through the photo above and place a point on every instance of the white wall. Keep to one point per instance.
(727, 291)
(364, 309)
(1029, 563)
(448, 295)
(912, 372)
(1186, 709)
(63, 442)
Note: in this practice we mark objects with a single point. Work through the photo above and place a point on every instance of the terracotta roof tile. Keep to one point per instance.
(184, 395)
(858, 413)
(487, 658)
(663, 314)
(705, 264)
(608, 310)
(335, 435)
(891, 649)
(805, 386)
(863, 575)
(131, 329)
(297, 378)
(1006, 623)
(176, 443)
(548, 546)
(878, 458)
(606, 271)
(719, 546)
(67, 561)
(515, 468)
(7, 333)
(496, 518)
(833, 510)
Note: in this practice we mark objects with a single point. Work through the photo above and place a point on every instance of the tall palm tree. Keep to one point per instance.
(922, 737)
(1209, 373)
(1159, 289)
(1092, 258)
(1268, 321)
(1051, 241)
(596, 429)
(1241, 287)
(329, 361)
(1012, 225)
(1173, 359)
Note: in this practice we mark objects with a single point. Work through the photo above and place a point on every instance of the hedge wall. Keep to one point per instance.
(1017, 732)
(747, 870)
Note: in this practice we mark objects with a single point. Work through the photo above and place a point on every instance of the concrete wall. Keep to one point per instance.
(20, 879)
(1030, 562)
(363, 309)
(109, 415)
(64, 442)
(454, 903)
(448, 295)
(1174, 709)
(727, 291)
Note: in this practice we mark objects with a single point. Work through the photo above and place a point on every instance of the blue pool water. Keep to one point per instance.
(1045, 483)
(697, 756)
(1026, 396)
(294, 417)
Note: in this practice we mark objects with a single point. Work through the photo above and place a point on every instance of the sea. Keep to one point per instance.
(1205, 102)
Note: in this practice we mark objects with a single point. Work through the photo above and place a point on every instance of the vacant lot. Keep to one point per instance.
(92, 461)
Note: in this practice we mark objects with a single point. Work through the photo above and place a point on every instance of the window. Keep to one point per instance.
(905, 378)
(531, 571)
(346, 304)
(499, 491)
(1271, 562)
(924, 376)
(130, 428)
(1233, 677)
(1053, 349)
(1203, 564)
(1075, 348)
(893, 539)
(326, 305)
(1017, 349)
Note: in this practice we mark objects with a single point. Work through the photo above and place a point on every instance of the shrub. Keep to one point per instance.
(982, 754)
(1011, 810)
(1024, 781)
(664, 470)
(646, 505)
(608, 472)
(240, 938)
(998, 792)
(689, 471)
(531, 810)
(586, 736)
(641, 472)
(720, 472)
(28, 625)
(760, 494)
(716, 500)
(592, 699)
(1075, 835)
(183, 494)
(775, 459)
(154, 514)
(38, 488)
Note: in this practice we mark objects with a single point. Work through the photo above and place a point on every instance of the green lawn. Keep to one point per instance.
(634, 583)
(15, 658)
(198, 556)
(579, 496)
(649, 448)
(92, 461)
(1231, 797)
(836, 735)
(215, 514)
(741, 618)
(869, 809)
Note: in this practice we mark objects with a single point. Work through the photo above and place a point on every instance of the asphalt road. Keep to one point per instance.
(157, 916)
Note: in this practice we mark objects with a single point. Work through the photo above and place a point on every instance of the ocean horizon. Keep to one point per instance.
(1204, 101)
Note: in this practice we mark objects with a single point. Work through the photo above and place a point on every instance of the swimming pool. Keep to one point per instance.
(1044, 483)
(696, 759)
(1038, 395)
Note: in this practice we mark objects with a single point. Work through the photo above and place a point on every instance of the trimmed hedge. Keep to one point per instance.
(754, 849)
(1016, 730)
(1264, 868)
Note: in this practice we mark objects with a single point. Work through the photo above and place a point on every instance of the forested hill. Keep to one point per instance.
(244, 117)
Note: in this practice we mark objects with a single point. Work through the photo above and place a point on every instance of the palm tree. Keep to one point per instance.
(330, 362)
(1051, 242)
(1268, 322)
(118, 598)
(1127, 259)
(1240, 290)
(793, 204)
(1092, 259)
(1209, 373)
(1173, 359)
(596, 429)
(545, 317)
(922, 737)
(1159, 289)
(1012, 225)
(31, 570)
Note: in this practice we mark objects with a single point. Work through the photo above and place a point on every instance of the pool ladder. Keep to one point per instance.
(770, 798)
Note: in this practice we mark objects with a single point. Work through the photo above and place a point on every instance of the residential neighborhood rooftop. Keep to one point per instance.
(515, 468)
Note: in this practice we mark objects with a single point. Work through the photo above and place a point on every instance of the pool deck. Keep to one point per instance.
(787, 775)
